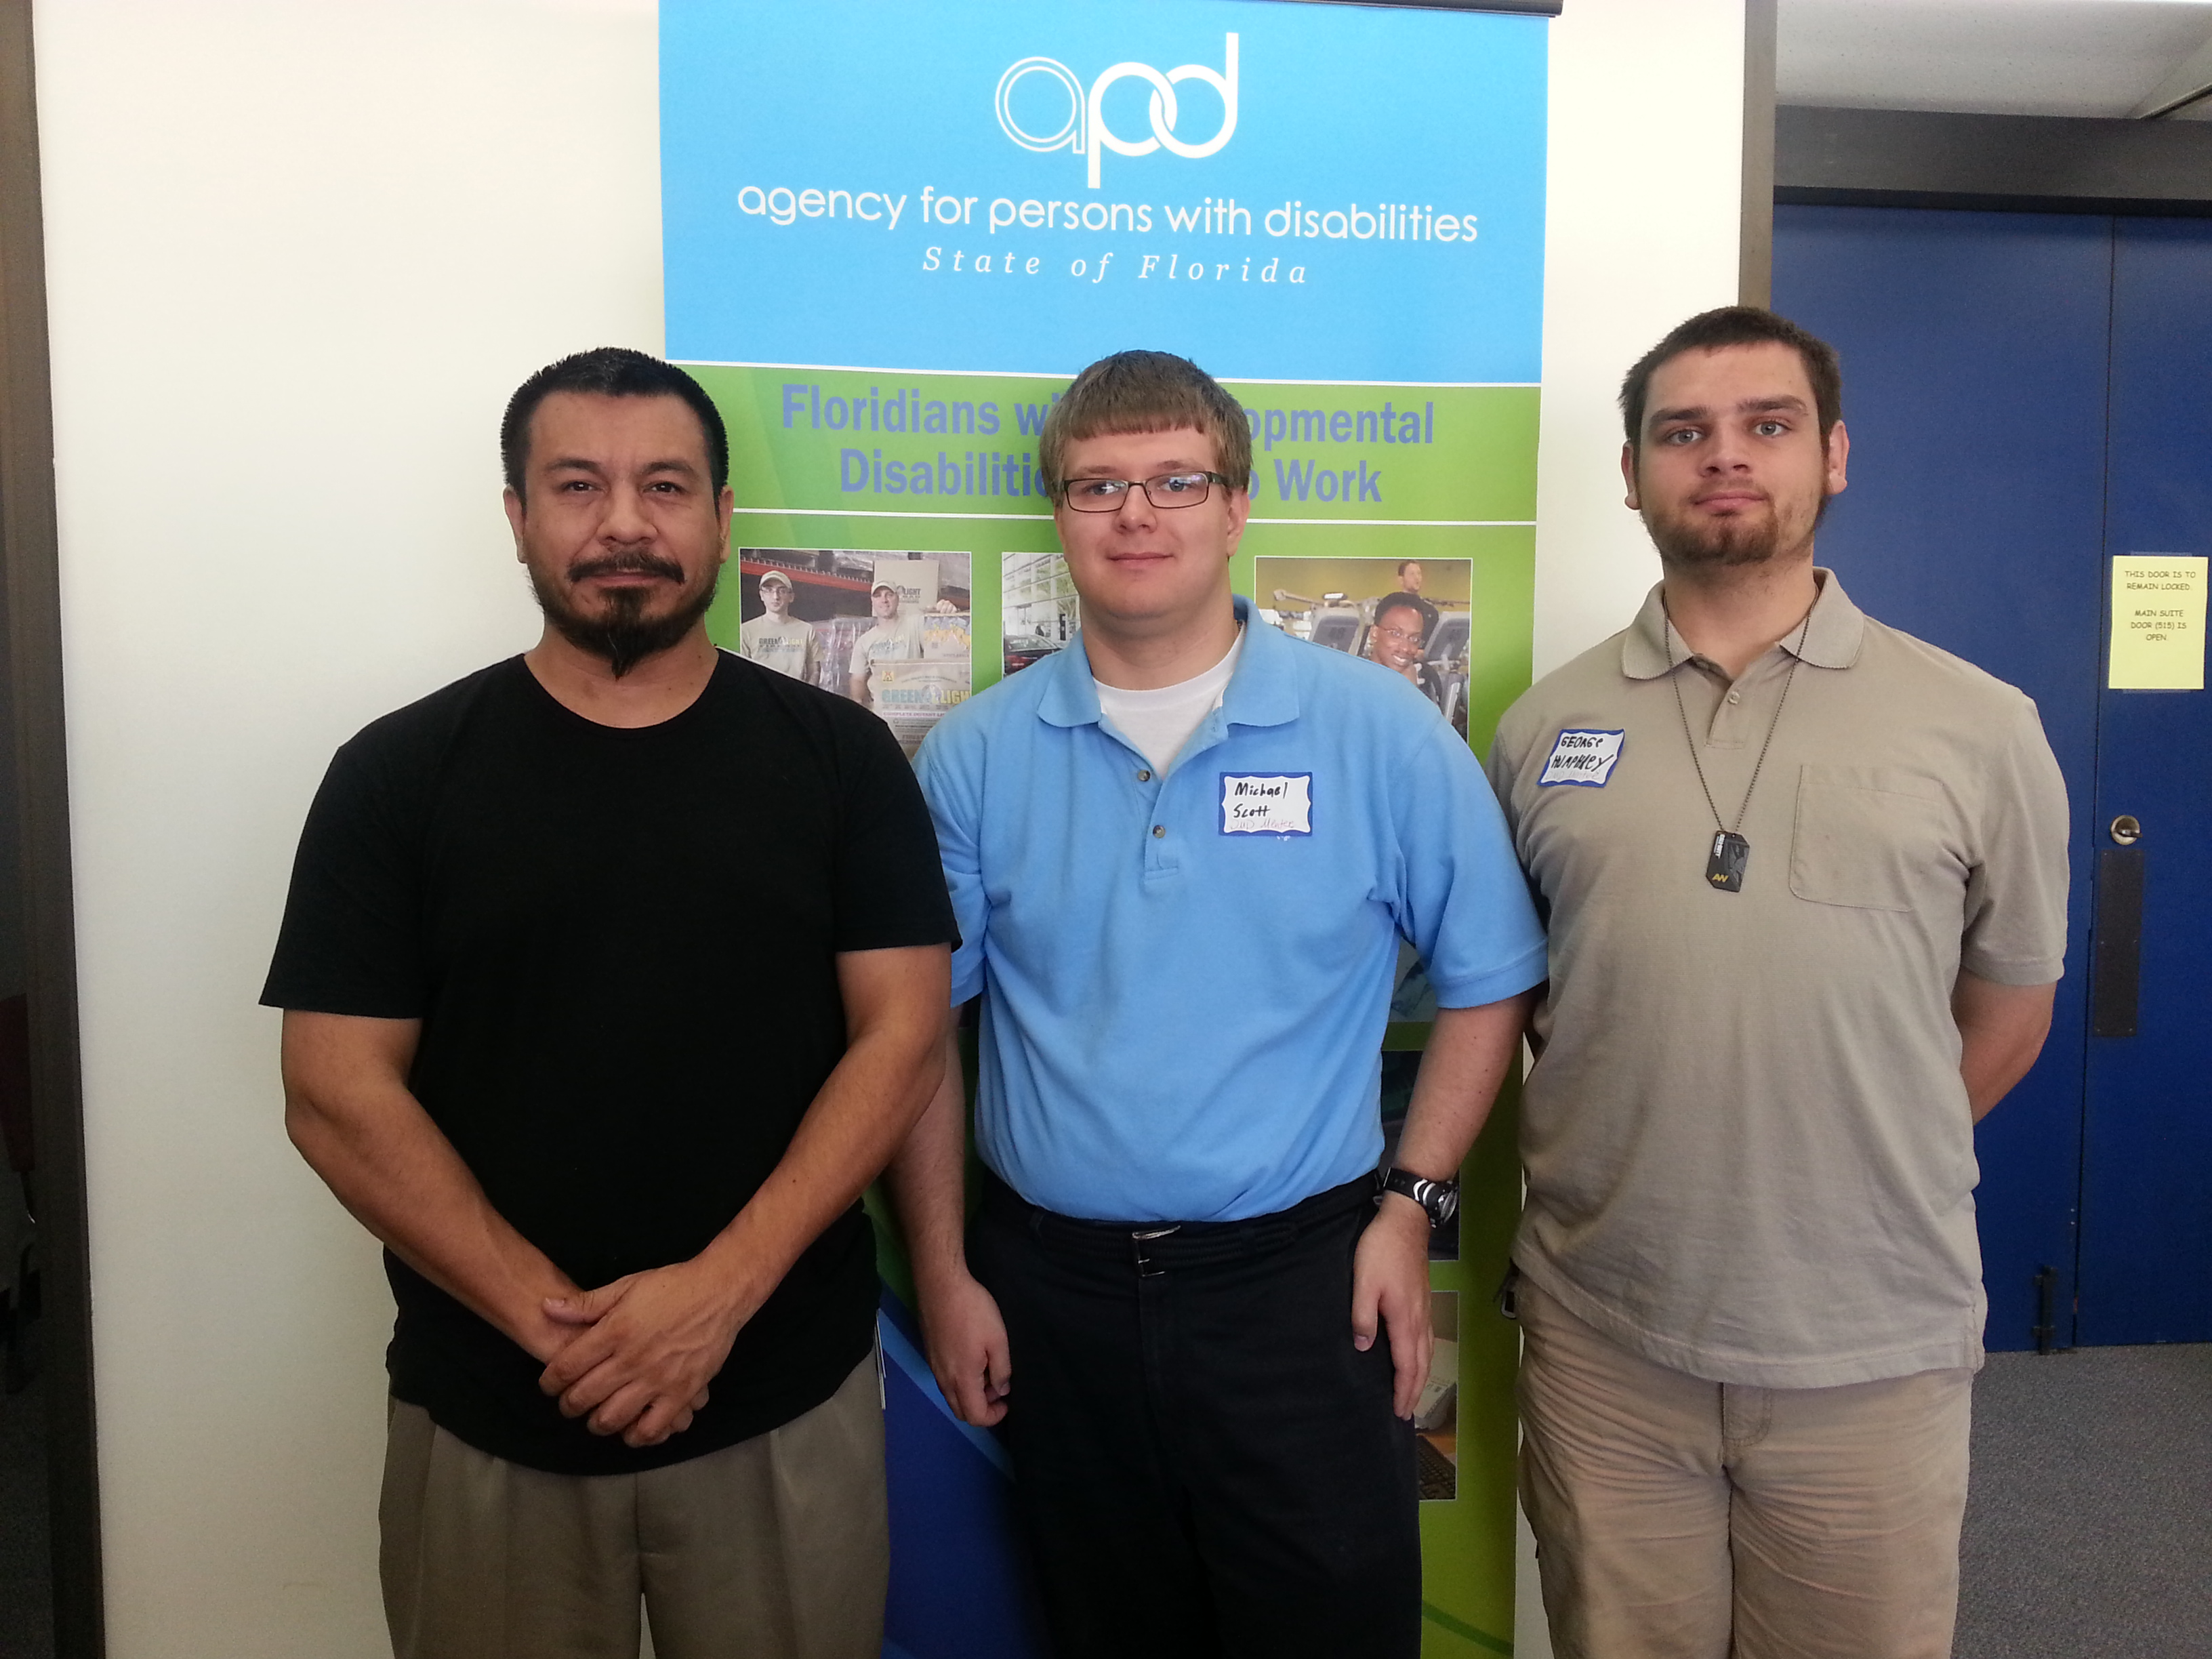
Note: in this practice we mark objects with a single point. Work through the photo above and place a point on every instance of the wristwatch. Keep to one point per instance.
(1439, 1198)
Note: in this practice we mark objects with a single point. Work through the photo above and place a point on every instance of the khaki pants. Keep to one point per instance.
(1681, 1519)
(777, 1547)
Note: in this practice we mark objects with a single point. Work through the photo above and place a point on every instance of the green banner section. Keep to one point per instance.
(1466, 1544)
(837, 471)
(866, 441)
(1502, 561)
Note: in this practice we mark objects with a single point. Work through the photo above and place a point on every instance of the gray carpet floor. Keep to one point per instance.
(2089, 1532)
(2089, 1529)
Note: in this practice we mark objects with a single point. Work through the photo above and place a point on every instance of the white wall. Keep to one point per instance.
(1646, 165)
(1645, 210)
(297, 256)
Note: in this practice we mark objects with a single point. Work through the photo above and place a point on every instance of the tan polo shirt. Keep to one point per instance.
(1748, 1148)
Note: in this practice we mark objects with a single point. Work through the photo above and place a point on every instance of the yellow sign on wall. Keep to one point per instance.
(2158, 623)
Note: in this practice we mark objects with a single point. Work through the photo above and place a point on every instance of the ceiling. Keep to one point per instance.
(1995, 56)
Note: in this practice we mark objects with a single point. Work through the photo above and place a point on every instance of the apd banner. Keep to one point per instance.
(891, 236)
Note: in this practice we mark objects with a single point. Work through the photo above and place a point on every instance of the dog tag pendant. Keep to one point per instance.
(1724, 869)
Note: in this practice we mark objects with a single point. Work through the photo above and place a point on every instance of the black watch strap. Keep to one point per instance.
(1439, 1198)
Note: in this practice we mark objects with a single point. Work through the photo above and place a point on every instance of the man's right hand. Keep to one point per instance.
(968, 1349)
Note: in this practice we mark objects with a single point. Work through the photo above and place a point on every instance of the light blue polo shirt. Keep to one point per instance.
(1186, 978)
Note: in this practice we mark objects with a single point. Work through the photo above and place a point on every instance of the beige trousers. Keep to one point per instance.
(777, 1547)
(1681, 1519)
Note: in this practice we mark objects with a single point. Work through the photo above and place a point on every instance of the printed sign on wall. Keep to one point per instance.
(2158, 623)
(891, 237)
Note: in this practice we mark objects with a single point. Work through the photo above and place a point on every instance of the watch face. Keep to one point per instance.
(1444, 1204)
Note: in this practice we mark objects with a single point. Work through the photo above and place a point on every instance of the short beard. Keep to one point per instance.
(1727, 544)
(624, 635)
(1722, 544)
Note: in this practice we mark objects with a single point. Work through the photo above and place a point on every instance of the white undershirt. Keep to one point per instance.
(1159, 722)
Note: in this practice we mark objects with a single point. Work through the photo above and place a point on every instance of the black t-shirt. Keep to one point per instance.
(622, 945)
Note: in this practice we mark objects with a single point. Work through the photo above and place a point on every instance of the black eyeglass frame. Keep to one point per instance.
(1066, 485)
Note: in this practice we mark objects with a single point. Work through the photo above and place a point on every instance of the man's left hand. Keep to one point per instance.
(646, 1348)
(1390, 1284)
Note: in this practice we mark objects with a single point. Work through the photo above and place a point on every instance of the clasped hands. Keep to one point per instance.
(635, 1356)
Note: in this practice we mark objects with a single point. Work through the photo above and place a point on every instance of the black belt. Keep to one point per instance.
(1156, 1246)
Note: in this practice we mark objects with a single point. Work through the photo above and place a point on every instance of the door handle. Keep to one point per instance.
(2116, 939)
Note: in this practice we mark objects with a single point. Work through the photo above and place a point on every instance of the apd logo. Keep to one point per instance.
(1085, 131)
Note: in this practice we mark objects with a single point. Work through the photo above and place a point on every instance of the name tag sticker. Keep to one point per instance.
(1583, 758)
(1267, 804)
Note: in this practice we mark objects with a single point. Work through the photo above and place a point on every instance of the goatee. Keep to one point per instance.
(624, 634)
(1731, 543)
(1723, 544)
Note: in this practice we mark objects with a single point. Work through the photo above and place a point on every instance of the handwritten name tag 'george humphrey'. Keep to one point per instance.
(1267, 804)
(1583, 758)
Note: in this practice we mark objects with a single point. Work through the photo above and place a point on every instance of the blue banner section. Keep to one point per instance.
(1294, 192)
(959, 1587)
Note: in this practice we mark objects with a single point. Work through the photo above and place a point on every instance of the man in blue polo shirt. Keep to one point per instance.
(1182, 852)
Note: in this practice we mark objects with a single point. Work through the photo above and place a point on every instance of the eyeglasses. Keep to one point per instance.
(1400, 634)
(1169, 490)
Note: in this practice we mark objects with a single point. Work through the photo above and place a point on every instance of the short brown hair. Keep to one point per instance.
(1737, 325)
(1146, 392)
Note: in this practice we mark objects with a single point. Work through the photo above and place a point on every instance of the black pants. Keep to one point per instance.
(1205, 1466)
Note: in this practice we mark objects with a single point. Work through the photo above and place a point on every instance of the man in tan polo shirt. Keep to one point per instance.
(1806, 879)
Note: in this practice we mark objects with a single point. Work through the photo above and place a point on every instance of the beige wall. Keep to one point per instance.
(297, 256)
(1644, 213)
(1646, 160)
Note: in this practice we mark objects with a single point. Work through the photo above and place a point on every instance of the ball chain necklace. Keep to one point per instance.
(1730, 852)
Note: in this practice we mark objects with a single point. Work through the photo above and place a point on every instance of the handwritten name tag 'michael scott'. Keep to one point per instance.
(1267, 804)
(1584, 758)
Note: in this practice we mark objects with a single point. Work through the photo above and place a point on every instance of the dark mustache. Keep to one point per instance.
(626, 564)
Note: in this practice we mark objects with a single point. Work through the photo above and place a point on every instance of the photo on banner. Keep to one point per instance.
(1039, 611)
(1435, 1413)
(1408, 616)
(891, 237)
(893, 632)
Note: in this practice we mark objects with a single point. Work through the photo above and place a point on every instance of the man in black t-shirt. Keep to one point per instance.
(610, 1105)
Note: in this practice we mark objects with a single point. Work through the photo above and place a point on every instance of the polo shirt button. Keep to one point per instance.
(1735, 696)
(1144, 775)
(1158, 830)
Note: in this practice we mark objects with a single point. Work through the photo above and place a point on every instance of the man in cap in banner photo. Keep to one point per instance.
(895, 636)
(776, 639)
(635, 1348)
(1806, 879)
(1182, 852)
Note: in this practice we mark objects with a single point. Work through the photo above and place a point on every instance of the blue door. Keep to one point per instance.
(2146, 1258)
(2025, 396)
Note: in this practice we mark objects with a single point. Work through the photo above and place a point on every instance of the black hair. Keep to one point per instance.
(608, 372)
(1737, 326)
(1398, 602)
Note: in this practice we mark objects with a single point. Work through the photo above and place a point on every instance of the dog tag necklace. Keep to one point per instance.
(1730, 852)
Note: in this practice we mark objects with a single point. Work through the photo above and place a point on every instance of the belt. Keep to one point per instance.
(1154, 1246)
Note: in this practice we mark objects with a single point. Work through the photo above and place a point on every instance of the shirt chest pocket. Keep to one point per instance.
(1874, 839)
